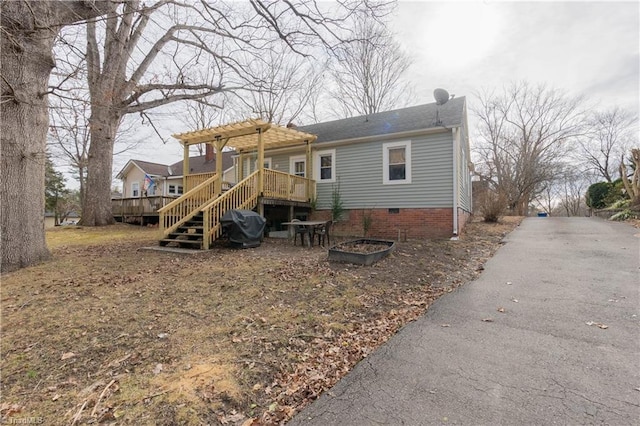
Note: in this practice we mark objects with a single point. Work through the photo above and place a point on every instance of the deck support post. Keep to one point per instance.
(307, 172)
(219, 144)
(240, 167)
(185, 167)
(260, 162)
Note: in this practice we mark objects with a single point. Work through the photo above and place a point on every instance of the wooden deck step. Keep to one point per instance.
(174, 242)
(188, 235)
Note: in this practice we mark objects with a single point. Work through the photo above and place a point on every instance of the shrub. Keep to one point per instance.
(492, 205)
(603, 194)
(624, 215)
(337, 205)
(597, 193)
(621, 204)
(616, 193)
(367, 221)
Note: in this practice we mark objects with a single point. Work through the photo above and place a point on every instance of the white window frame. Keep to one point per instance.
(267, 161)
(318, 154)
(135, 186)
(297, 159)
(385, 162)
(175, 189)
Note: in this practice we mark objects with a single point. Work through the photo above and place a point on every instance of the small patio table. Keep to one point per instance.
(310, 225)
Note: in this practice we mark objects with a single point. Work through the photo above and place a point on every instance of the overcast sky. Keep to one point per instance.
(589, 48)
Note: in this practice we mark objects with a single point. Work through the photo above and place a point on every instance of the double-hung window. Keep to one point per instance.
(325, 165)
(396, 159)
(135, 189)
(298, 165)
(175, 189)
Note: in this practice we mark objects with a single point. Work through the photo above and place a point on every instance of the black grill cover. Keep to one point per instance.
(244, 228)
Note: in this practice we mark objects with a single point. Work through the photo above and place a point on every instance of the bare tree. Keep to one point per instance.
(524, 133)
(546, 197)
(201, 115)
(368, 72)
(573, 189)
(285, 85)
(632, 184)
(69, 136)
(607, 139)
(28, 31)
(146, 56)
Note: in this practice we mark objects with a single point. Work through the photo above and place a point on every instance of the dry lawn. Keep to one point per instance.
(108, 333)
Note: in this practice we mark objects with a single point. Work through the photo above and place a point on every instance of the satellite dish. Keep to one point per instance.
(441, 96)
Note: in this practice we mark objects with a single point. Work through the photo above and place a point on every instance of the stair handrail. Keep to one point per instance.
(243, 195)
(187, 205)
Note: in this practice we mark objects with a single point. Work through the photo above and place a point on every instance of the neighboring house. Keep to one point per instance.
(408, 169)
(140, 200)
(168, 178)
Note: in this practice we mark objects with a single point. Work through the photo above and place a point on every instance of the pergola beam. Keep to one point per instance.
(243, 135)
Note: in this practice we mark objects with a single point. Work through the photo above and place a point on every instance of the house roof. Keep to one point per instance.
(420, 117)
(407, 119)
(155, 169)
(200, 165)
(196, 164)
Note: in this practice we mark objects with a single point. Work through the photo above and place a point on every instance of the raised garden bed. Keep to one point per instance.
(364, 251)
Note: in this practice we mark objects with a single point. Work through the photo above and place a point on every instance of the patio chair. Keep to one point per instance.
(323, 232)
(301, 230)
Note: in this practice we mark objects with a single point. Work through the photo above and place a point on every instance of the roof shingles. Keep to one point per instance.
(196, 165)
(401, 120)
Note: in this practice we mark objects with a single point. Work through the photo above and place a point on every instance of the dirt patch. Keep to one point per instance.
(362, 247)
(107, 333)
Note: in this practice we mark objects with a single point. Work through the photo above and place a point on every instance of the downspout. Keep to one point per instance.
(456, 190)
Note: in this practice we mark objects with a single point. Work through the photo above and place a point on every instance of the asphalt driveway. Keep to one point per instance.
(566, 349)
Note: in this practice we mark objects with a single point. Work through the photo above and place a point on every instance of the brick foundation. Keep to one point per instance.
(463, 217)
(408, 223)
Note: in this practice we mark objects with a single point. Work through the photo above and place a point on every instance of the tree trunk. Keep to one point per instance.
(26, 65)
(27, 36)
(96, 208)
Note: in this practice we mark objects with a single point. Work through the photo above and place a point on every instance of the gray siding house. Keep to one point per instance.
(408, 169)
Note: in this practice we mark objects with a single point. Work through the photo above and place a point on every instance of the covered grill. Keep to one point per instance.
(243, 228)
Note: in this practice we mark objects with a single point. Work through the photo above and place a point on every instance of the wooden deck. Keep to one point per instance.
(198, 212)
(134, 209)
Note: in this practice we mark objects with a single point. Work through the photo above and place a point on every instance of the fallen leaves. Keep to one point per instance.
(292, 322)
(67, 355)
(501, 310)
(597, 324)
(487, 319)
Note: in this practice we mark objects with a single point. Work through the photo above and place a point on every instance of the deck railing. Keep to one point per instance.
(191, 181)
(138, 206)
(188, 205)
(288, 187)
(243, 195)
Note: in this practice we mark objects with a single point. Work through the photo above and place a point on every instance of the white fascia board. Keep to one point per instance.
(387, 136)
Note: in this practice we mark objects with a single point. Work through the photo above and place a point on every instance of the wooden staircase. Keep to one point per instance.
(188, 235)
(194, 219)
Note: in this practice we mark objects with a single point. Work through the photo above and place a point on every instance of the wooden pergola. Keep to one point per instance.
(246, 136)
